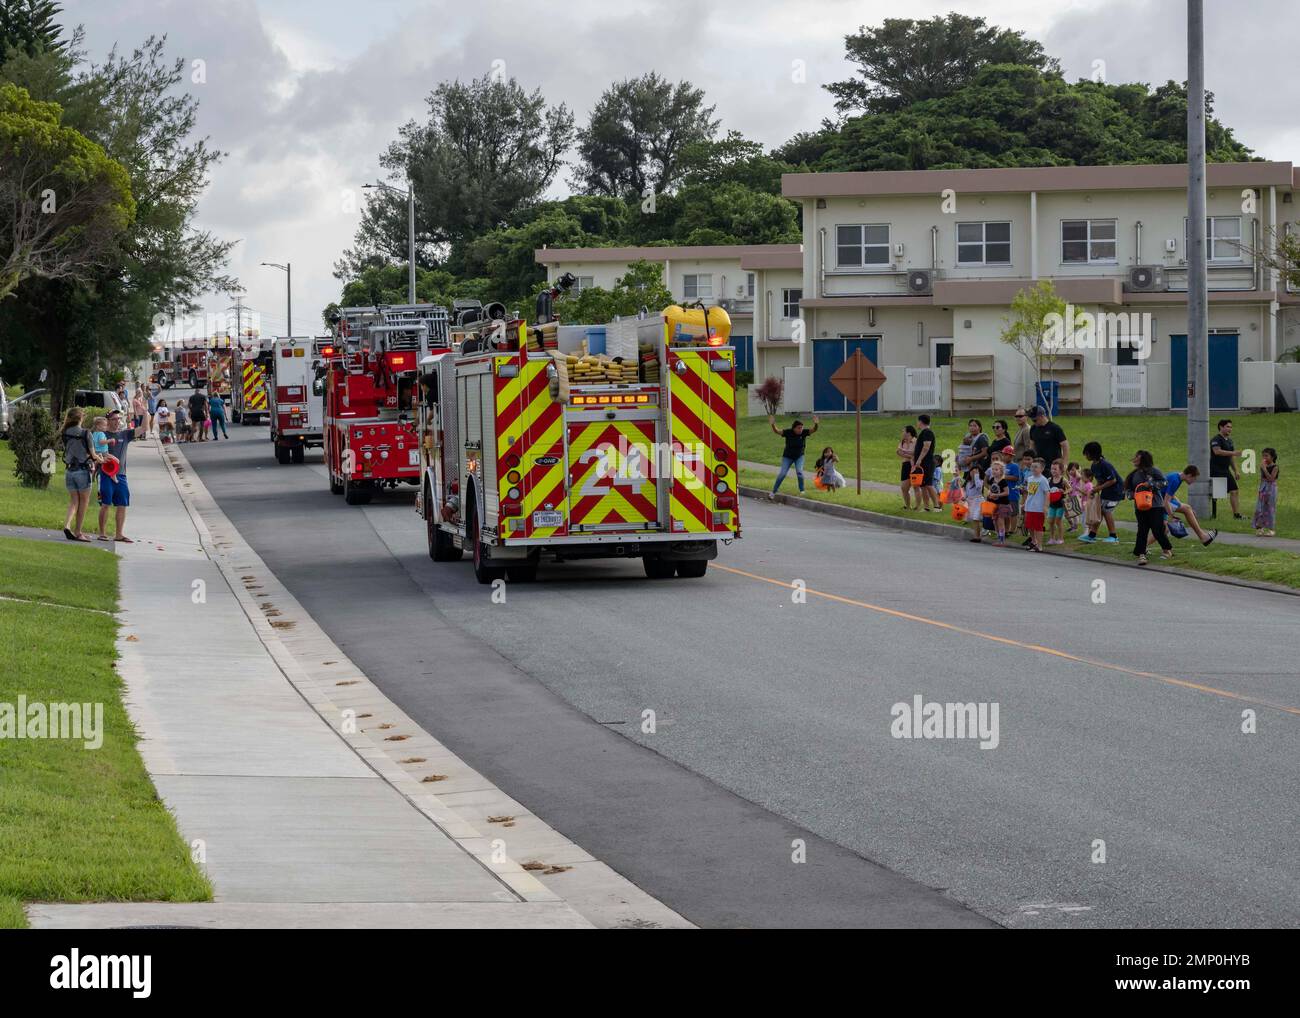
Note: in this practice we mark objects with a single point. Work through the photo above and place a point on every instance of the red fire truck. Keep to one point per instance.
(248, 381)
(369, 381)
(533, 446)
(298, 383)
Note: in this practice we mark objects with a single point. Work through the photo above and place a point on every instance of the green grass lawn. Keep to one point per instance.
(76, 824)
(1262, 564)
(1120, 437)
(33, 507)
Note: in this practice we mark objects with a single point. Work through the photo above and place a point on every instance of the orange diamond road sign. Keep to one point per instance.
(858, 379)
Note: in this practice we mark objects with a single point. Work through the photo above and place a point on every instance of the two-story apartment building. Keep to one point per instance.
(918, 269)
(760, 286)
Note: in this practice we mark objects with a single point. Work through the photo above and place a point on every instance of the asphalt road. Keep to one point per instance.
(1118, 722)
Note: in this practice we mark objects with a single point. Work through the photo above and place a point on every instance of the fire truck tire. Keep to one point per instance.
(336, 486)
(300, 454)
(282, 453)
(692, 568)
(524, 572)
(193, 380)
(442, 548)
(657, 568)
(483, 572)
(354, 494)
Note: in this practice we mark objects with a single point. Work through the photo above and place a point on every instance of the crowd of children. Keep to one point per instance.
(1044, 501)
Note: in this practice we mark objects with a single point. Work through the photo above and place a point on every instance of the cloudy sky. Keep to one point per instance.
(304, 94)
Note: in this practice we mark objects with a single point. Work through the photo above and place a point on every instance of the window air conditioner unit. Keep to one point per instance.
(1145, 279)
(920, 281)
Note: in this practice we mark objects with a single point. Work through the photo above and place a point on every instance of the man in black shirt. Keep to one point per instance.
(1049, 439)
(199, 413)
(1223, 463)
(923, 460)
(796, 439)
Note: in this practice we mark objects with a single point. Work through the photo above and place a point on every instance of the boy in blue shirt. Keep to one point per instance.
(1106, 486)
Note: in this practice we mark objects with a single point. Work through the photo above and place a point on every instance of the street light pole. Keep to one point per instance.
(1198, 326)
(287, 269)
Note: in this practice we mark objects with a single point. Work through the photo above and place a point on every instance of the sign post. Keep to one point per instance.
(858, 379)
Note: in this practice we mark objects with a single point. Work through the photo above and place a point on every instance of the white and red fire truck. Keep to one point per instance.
(527, 454)
(369, 382)
(298, 384)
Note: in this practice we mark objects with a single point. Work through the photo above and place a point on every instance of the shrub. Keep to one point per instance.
(31, 436)
(770, 393)
(744, 378)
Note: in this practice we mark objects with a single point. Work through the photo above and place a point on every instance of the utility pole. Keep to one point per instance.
(287, 269)
(1198, 326)
(409, 195)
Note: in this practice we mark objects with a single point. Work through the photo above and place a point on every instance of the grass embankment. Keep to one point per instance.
(1259, 564)
(1165, 437)
(76, 824)
(33, 507)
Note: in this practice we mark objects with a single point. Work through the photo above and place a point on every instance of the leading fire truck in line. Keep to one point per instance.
(368, 377)
(529, 449)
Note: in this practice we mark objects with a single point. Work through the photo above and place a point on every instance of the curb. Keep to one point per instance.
(254, 585)
(958, 533)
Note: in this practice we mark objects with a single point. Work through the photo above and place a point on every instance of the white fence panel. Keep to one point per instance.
(1128, 385)
(924, 389)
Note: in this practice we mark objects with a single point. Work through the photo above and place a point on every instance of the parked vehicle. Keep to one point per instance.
(249, 366)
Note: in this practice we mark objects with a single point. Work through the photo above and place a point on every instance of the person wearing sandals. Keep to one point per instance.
(78, 459)
(906, 445)
(113, 491)
(1266, 501)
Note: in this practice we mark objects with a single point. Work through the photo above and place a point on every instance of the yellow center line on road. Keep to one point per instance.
(1007, 641)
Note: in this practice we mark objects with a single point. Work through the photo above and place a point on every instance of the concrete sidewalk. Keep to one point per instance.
(295, 781)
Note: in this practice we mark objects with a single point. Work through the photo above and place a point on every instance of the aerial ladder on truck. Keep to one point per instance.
(368, 378)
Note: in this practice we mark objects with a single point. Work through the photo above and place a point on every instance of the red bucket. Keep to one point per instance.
(110, 466)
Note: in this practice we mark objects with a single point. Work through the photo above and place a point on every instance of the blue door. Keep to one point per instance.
(744, 352)
(828, 355)
(1223, 372)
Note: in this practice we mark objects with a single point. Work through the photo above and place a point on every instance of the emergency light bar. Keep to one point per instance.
(630, 399)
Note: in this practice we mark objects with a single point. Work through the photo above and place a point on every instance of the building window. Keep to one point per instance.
(1088, 241)
(583, 283)
(790, 303)
(984, 243)
(861, 246)
(1222, 238)
(696, 286)
(749, 285)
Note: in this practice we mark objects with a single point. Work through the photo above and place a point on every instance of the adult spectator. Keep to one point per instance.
(217, 411)
(796, 439)
(999, 440)
(1048, 438)
(906, 446)
(199, 413)
(1022, 443)
(113, 491)
(978, 458)
(1223, 463)
(1107, 489)
(1151, 515)
(120, 399)
(1173, 481)
(77, 459)
(923, 460)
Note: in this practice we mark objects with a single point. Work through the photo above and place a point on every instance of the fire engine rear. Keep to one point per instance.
(298, 383)
(535, 445)
(369, 381)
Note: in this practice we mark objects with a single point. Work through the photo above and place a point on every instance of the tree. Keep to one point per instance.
(634, 144)
(63, 201)
(487, 151)
(642, 286)
(131, 106)
(906, 61)
(1037, 324)
(30, 27)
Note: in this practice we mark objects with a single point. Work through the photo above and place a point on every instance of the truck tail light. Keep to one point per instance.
(511, 509)
(725, 502)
